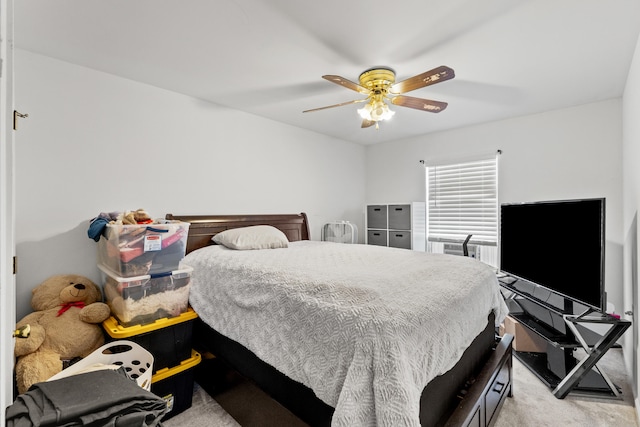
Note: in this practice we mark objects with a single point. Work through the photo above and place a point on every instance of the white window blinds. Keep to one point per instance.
(462, 200)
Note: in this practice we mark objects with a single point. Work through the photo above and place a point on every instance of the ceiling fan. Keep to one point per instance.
(378, 83)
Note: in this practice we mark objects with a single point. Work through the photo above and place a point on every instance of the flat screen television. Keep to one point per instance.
(558, 245)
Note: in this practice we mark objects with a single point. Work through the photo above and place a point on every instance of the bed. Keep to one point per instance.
(341, 334)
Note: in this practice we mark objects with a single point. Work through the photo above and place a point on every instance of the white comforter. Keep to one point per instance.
(365, 327)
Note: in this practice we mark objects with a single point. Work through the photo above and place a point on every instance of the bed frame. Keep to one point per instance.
(471, 393)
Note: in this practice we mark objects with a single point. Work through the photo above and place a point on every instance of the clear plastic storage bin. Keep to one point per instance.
(144, 299)
(137, 250)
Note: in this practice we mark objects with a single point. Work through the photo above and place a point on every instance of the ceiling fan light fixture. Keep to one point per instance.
(365, 112)
(381, 111)
(376, 111)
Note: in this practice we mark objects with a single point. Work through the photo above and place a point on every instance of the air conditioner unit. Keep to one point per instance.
(340, 232)
(456, 249)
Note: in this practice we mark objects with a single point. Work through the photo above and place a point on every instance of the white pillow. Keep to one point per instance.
(253, 237)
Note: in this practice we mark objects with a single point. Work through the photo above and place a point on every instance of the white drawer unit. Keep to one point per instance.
(397, 225)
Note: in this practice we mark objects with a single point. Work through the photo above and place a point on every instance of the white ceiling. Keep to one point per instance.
(511, 57)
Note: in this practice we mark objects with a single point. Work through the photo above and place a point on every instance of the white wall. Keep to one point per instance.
(563, 154)
(630, 208)
(95, 142)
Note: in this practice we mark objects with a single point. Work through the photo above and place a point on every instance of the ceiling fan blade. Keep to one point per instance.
(347, 83)
(437, 75)
(336, 105)
(367, 123)
(419, 103)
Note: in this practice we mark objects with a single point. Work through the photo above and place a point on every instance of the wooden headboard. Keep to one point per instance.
(204, 227)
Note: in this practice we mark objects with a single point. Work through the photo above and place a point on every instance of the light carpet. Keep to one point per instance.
(532, 405)
(204, 411)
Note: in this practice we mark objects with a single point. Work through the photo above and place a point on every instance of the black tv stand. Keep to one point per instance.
(563, 325)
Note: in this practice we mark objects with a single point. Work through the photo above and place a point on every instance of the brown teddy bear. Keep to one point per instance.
(65, 325)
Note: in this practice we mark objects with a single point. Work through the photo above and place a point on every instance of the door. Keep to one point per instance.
(7, 244)
(630, 280)
(633, 271)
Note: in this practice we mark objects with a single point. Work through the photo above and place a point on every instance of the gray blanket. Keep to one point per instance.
(95, 399)
(365, 327)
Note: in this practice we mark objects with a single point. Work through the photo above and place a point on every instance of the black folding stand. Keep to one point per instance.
(553, 318)
(594, 352)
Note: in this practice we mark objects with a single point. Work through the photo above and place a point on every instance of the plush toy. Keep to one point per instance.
(142, 217)
(64, 325)
(127, 218)
(139, 216)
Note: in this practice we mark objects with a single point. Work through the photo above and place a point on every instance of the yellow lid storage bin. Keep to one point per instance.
(175, 385)
(169, 340)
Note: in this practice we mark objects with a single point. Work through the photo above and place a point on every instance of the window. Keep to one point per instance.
(462, 199)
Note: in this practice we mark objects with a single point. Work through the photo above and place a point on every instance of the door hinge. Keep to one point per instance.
(15, 265)
(16, 115)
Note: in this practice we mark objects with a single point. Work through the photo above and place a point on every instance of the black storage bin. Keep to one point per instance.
(168, 340)
(175, 385)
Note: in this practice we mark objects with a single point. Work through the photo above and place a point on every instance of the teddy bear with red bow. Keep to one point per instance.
(65, 325)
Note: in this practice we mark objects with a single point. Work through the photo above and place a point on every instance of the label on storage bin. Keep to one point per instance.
(169, 399)
(152, 242)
